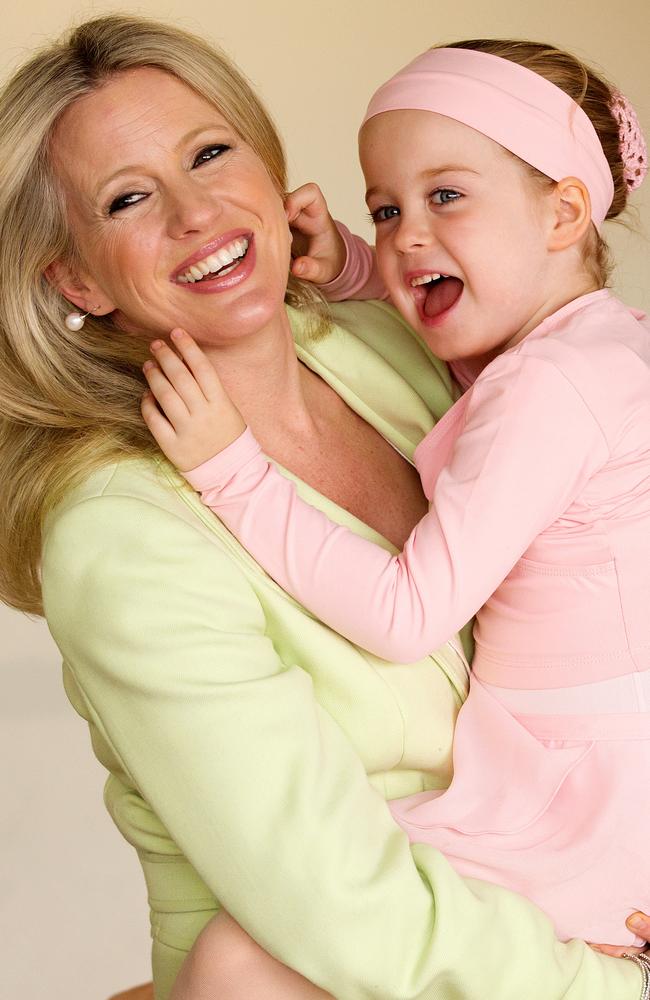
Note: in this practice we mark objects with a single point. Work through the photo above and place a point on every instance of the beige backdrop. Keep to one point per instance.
(72, 913)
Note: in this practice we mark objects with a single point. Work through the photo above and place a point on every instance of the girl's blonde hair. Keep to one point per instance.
(69, 402)
(594, 95)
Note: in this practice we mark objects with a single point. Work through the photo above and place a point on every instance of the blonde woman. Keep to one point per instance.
(249, 748)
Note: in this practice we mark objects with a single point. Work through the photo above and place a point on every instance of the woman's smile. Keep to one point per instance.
(219, 265)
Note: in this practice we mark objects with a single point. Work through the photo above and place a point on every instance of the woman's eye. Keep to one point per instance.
(384, 213)
(444, 196)
(209, 153)
(124, 200)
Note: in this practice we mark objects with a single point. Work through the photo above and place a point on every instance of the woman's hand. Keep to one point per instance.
(637, 922)
(318, 247)
(198, 418)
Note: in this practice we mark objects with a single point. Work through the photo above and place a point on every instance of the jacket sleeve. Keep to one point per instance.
(262, 790)
(517, 464)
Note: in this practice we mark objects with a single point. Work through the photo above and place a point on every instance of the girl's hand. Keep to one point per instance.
(198, 418)
(318, 247)
(637, 922)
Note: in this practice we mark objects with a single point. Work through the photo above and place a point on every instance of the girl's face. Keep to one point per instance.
(461, 232)
(160, 189)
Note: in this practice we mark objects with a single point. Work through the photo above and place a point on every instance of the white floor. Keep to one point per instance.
(73, 914)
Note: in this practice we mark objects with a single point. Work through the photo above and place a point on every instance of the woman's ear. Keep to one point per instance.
(572, 208)
(78, 290)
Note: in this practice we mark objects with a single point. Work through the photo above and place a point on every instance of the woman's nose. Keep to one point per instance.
(190, 210)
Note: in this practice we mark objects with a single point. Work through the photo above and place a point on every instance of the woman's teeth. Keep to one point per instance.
(221, 262)
(424, 279)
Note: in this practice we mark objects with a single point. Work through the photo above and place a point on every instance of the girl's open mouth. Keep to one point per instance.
(435, 294)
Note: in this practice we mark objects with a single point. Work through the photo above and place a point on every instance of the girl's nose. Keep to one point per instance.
(413, 232)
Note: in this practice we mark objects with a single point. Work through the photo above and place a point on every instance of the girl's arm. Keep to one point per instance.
(516, 466)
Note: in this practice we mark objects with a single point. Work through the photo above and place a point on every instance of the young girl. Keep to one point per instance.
(538, 477)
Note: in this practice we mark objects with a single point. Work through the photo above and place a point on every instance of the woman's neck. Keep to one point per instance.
(263, 377)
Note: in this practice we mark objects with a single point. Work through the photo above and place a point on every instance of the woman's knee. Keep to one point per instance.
(221, 963)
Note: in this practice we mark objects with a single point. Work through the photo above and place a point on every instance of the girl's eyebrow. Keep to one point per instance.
(137, 168)
(430, 174)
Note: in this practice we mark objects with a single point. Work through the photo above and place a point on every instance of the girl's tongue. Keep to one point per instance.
(441, 295)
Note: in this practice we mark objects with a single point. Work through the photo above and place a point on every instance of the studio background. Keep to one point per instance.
(73, 915)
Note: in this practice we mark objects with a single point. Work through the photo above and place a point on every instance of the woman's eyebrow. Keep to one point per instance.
(186, 138)
(430, 174)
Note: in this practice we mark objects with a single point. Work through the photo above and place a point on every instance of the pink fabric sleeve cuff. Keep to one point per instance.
(217, 472)
(359, 278)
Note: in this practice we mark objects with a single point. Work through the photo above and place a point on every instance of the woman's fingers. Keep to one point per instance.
(637, 922)
(615, 950)
(640, 924)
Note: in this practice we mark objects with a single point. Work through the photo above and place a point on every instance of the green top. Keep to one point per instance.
(250, 748)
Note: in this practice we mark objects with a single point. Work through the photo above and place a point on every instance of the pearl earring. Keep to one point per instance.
(75, 321)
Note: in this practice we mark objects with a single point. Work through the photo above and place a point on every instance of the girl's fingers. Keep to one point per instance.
(160, 427)
(302, 199)
(178, 374)
(171, 403)
(312, 269)
(201, 368)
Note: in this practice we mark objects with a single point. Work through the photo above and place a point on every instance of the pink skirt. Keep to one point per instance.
(554, 807)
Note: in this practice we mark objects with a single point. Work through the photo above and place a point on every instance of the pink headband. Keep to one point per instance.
(510, 104)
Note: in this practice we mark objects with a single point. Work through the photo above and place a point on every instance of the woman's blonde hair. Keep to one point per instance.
(69, 402)
(594, 95)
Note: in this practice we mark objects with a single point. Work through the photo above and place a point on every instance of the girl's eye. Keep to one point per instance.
(124, 200)
(384, 213)
(209, 153)
(444, 196)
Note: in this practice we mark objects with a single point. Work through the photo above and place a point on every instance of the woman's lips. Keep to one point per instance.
(213, 284)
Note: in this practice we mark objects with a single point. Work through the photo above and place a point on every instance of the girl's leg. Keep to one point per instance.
(226, 964)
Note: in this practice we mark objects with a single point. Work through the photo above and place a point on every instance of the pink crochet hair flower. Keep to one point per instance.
(634, 151)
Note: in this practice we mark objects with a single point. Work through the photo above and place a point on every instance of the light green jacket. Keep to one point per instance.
(250, 748)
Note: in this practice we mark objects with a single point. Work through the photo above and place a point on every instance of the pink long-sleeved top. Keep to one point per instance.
(539, 523)
(539, 486)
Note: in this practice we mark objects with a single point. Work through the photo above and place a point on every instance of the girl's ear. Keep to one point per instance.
(572, 213)
(81, 292)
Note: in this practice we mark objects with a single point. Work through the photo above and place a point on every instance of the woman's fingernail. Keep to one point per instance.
(636, 922)
(156, 345)
(147, 366)
(177, 334)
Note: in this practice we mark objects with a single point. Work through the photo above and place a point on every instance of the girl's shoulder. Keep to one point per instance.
(591, 327)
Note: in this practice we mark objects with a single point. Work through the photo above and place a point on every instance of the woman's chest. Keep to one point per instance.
(364, 475)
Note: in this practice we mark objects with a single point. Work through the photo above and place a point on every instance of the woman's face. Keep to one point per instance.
(160, 189)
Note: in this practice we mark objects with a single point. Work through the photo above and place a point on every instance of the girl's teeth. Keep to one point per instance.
(203, 267)
(196, 272)
(425, 279)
